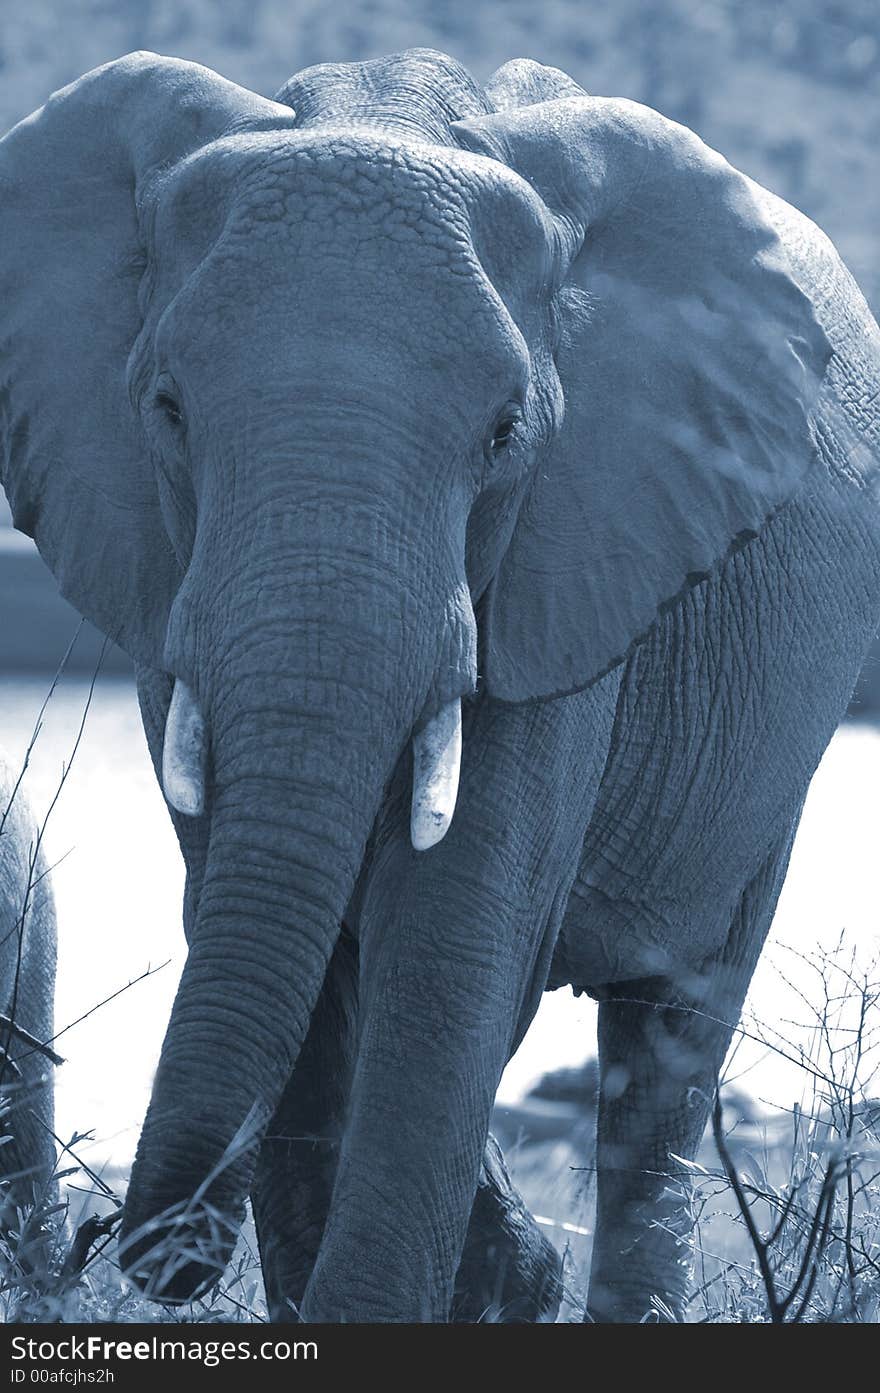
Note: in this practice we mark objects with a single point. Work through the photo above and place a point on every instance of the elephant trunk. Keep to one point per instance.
(306, 717)
(284, 853)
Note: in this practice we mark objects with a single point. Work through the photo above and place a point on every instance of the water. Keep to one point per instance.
(119, 881)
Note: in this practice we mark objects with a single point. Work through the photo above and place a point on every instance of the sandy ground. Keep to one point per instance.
(118, 882)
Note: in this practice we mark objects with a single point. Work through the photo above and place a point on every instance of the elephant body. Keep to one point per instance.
(499, 450)
(27, 1001)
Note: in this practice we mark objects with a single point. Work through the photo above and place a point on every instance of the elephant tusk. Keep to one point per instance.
(184, 752)
(436, 767)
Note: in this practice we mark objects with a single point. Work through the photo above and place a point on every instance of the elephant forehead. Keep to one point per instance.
(339, 238)
(271, 181)
(360, 195)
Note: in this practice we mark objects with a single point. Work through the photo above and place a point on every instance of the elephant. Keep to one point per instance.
(28, 941)
(483, 480)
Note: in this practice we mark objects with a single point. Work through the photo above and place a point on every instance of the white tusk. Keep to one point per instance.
(184, 752)
(436, 767)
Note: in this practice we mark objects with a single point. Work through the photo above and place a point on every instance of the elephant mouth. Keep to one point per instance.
(436, 745)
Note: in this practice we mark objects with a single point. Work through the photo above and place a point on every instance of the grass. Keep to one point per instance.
(786, 1206)
(802, 1217)
(78, 1280)
(785, 1203)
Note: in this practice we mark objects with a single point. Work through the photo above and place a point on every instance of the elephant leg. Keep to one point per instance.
(28, 1190)
(296, 1167)
(27, 971)
(661, 1046)
(414, 1140)
(509, 1272)
(27, 1146)
(455, 946)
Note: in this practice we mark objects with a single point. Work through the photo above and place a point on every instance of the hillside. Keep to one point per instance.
(788, 89)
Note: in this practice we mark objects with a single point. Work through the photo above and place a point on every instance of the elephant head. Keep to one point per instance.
(293, 390)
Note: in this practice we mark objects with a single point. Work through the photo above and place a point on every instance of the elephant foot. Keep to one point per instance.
(510, 1272)
(289, 1206)
(612, 1302)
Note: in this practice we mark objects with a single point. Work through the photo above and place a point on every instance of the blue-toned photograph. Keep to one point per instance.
(439, 673)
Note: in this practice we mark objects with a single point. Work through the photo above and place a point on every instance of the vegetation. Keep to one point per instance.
(804, 1211)
(785, 1202)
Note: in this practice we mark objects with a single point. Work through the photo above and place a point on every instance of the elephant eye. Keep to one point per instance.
(171, 408)
(503, 432)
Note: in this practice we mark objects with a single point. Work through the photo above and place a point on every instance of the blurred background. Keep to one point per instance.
(788, 90)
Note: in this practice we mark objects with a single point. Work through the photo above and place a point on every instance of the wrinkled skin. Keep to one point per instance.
(27, 999)
(368, 359)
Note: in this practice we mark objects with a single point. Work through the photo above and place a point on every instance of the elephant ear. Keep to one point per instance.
(73, 462)
(689, 359)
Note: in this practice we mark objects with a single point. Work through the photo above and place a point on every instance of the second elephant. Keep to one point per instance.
(28, 943)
